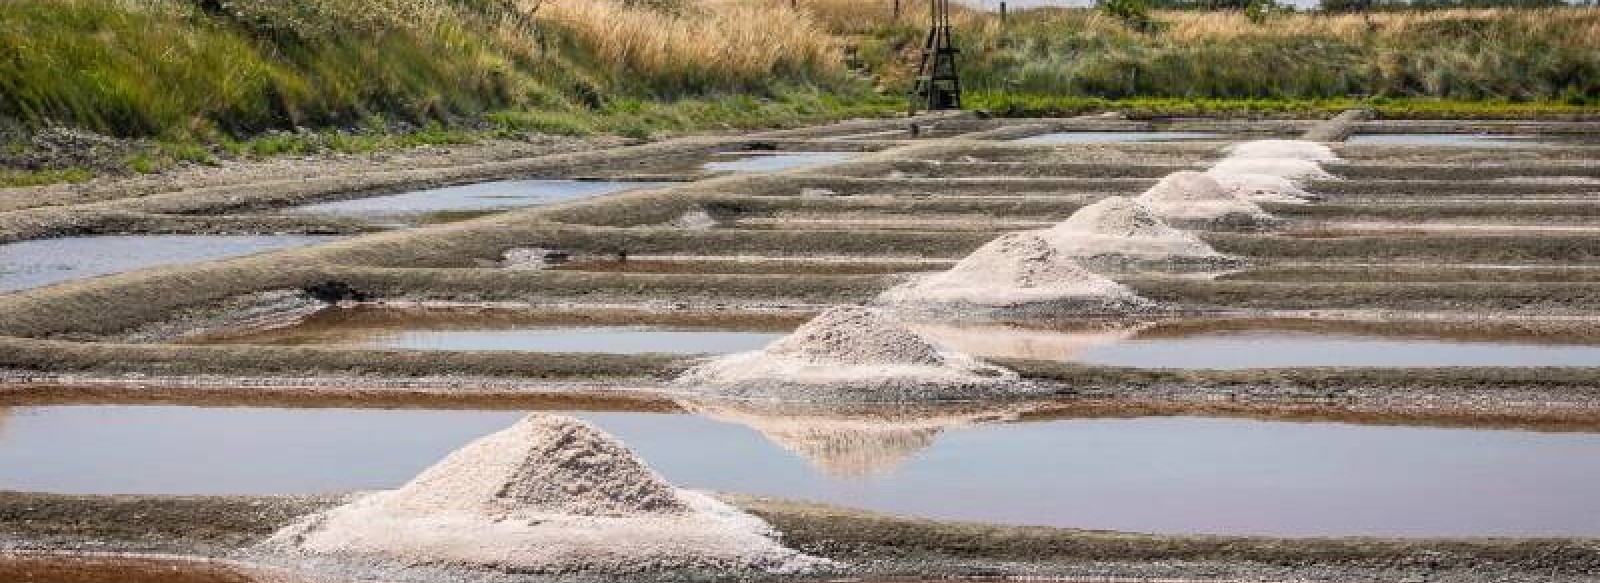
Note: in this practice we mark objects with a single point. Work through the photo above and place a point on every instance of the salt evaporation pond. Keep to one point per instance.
(774, 162)
(1118, 137)
(517, 330)
(30, 264)
(1301, 349)
(421, 205)
(1170, 475)
(1226, 345)
(1466, 140)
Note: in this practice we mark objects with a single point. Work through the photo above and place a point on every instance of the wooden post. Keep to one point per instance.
(1002, 13)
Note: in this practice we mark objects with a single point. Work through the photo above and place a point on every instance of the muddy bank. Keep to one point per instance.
(874, 544)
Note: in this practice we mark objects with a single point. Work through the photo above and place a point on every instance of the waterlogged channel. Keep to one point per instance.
(528, 330)
(1262, 344)
(1119, 137)
(1169, 475)
(438, 204)
(30, 264)
(774, 161)
(1470, 140)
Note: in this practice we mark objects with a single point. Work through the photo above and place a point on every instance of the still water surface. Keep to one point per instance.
(763, 162)
(30, 264)
(484, 196)
(1175, 475)
(1118, 137)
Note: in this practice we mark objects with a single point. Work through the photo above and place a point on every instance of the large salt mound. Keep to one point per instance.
(851, 354)
(1289, 168)
(1120, 232)
(1194, 199)
(1018, 272)
(1261, 188)
(1292, 149)
(550, 494)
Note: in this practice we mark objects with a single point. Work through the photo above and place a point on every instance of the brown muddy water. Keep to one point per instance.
(1119, 137)
(1165, 475)
(1225, 345)
(31, 264)
(96, 569)
(529, 330)
(423, 206)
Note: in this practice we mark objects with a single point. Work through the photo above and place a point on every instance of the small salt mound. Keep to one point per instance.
(550, 494)
(851, 354)
(1119, 230)
(1290, 149)
(1289, 168)
(1262, 188)
(695, 220)
(1019, 272)
(1194, 199)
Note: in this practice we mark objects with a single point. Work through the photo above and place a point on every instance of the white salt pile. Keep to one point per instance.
(551, 495)
(1294, 169)
(1119, 232)
(852, 354)
(1287, 149)
(1196, 200)
(1259, 188)
(695, 220)
(1018, 273)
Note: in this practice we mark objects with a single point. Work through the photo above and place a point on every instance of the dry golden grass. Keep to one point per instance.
(740, 40)
(1572, 26)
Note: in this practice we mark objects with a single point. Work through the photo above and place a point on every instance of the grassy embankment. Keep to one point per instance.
(202, 79)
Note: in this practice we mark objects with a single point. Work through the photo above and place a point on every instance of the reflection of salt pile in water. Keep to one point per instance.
(852, 354)
(1284, 149)
(5, 412)
(1119, 232)
(1001, 340)
(1021, 273)
(1194, 200)
(1261, 188)
(1293, 169)
(844, 441)
(549, 494)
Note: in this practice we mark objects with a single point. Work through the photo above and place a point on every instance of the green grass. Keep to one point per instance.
(16, 178)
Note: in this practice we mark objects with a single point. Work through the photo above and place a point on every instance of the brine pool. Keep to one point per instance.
(1166, 475)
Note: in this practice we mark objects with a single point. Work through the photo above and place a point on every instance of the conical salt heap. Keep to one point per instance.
(1191, 199)
(1262, 188)
(1290, 149)
(549, 494)
(1119, 232)
(851, 354)
(1021, 273)
(1293, 169)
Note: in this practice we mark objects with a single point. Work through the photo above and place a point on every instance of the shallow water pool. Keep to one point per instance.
(615, 332)
(1260, 344)
(1118, 137)
(775, 162)
(1462, 139)
(1171, 475)
(30, 264)
(423, 205)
